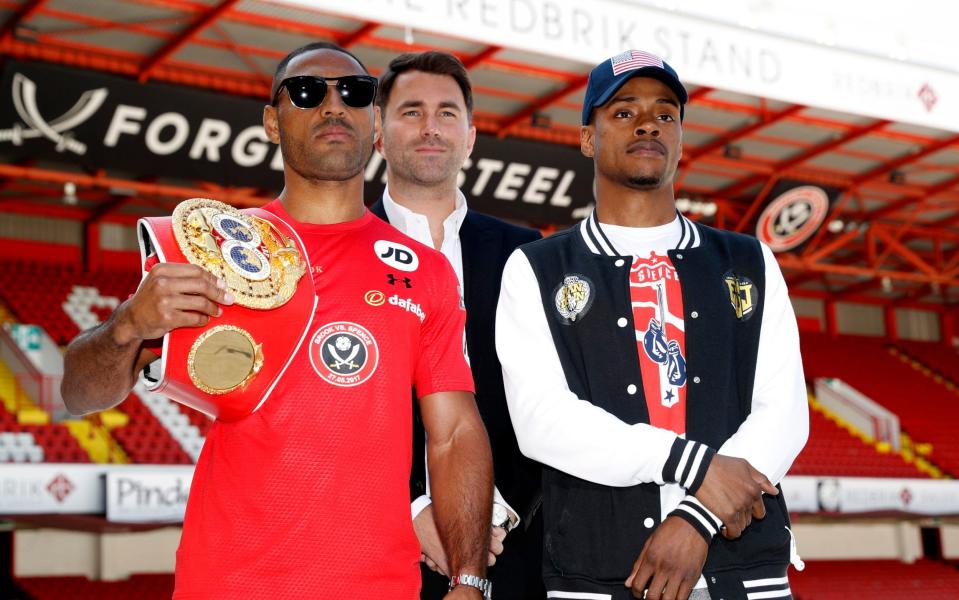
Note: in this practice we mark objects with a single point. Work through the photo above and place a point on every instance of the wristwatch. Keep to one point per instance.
(483, 585)
(501, 517)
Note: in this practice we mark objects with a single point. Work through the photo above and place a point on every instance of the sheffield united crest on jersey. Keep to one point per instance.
(344, 354)
(573, 297)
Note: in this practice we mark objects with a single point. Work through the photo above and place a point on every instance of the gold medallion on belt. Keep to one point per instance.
(223, 359)
(260, 265)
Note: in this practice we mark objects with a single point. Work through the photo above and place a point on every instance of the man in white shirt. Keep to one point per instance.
(652, 365)
(425, 101)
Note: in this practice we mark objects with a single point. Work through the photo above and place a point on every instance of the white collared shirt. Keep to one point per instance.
(417, 226)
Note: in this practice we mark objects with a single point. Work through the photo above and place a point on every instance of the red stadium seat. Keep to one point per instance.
(831, 450)
(926, 409)
(141, 587)
(57, 443)
(875, 579)
(144, 439)
(43, 289)
(941, 359)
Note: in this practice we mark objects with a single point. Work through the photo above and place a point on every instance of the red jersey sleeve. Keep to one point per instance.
(441, 365)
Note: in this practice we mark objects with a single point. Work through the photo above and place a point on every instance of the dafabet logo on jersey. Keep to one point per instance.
(408, 305)
(374, 298)
(344, 354)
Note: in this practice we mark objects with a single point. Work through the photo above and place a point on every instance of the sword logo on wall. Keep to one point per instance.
(58, 130)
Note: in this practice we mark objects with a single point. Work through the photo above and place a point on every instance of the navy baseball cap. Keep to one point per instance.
(610, 75)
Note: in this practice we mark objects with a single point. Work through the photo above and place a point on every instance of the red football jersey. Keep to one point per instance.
(308, 497)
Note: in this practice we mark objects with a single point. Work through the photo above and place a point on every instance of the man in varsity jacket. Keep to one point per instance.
(652, 364)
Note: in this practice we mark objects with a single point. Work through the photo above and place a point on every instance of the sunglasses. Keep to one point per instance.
(308, 91)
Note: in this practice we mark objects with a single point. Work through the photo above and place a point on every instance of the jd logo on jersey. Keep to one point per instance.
(742, 295)
(396, 255)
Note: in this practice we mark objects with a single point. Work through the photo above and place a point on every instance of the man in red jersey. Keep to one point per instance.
(307, 497)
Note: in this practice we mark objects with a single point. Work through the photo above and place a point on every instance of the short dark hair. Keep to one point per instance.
(280, 72)
(438, 63)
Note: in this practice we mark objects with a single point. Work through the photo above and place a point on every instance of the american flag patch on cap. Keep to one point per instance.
(634, 59)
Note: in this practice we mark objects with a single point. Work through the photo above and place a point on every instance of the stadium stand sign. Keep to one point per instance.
(516, 179)
(160, 130)
(147, 494)
(158, 493)
(98, 121)
(705, 51)
(869, 495)
(51, 489)
(801, 494)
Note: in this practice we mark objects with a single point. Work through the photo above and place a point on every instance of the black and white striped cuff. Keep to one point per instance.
(761, 589)
(693, 512)
(687, 464)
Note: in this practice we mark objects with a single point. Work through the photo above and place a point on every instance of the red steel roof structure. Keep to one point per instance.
(895, 240)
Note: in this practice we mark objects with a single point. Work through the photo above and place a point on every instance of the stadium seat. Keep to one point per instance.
(145, 439)
(926, 409)
(833, 451)
(876, 580)
(942, 359)
(63, 298)
(55, 443)
(141, 587)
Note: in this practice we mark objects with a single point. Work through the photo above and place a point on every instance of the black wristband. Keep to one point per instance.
(694, 513)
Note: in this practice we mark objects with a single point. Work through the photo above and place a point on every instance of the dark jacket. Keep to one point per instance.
(486, 244)
(596, 532)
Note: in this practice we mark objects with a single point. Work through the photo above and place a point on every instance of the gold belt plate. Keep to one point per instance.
(223, 359)
(259, 264)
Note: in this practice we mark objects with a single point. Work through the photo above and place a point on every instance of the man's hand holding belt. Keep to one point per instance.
(172, 295)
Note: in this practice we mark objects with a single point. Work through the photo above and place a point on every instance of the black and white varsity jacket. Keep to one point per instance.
(598, 518)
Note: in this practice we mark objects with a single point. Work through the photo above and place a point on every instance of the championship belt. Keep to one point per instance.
(229, 367)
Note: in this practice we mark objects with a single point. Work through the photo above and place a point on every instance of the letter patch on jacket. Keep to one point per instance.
(742, 295)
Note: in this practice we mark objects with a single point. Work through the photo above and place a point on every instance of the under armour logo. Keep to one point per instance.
(57, 130)
(391, 279)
